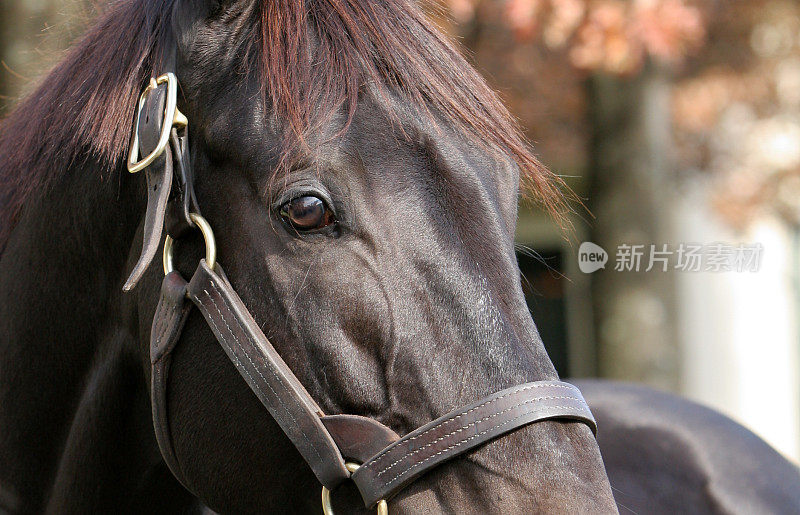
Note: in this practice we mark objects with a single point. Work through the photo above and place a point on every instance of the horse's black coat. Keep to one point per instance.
(408, 306)
(668, 455)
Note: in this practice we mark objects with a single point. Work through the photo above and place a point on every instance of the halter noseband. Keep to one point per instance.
(336, 447)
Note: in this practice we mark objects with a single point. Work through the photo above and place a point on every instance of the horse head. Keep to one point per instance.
(361, 181)
(372, 239)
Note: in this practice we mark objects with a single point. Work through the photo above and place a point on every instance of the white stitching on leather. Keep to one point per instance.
(475, 423)
(456, 416)
(310, 441)
(462, 442)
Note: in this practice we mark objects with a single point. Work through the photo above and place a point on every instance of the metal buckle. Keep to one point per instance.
(172, 118)
(327, 507)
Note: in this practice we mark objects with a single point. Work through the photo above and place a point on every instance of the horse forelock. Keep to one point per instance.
(315, 57)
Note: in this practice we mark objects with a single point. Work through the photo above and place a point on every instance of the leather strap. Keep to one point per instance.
(159, 183)
(399, 464)
(183, 201)
(267, 374)
(358, 438)
(171, 313)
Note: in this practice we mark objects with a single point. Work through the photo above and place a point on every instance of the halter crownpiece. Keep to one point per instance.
(379, 462)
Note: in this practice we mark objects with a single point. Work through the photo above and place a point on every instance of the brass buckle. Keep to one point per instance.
(327, 507)
(172, 118)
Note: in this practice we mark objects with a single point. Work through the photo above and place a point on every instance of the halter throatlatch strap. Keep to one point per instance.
(389, 471)
(267, 374)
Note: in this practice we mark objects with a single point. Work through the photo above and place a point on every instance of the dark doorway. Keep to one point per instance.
(543, 284)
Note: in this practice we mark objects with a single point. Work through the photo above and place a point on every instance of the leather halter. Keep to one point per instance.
(388, 462)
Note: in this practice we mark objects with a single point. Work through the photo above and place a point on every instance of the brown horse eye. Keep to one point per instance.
(307, 213)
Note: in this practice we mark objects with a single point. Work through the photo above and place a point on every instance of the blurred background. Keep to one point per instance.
(677, 123)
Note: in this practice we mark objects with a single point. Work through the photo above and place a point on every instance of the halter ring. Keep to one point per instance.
(208, 236)
(327, 508)
(172, 118)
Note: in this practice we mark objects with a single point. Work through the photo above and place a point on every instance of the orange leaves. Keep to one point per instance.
(668, 29)
(605, 40)
(565, 17)
(610, 35)
(523, 16)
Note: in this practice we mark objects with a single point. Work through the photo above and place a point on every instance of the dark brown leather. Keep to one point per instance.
(177, 221)
(159, 182)
(358, 438)
(399, 464)
(171, 313)
(267, 374)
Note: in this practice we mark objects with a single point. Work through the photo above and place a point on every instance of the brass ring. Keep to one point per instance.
(208, 236)
(327, 508)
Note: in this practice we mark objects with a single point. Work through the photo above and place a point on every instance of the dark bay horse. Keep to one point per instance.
(667, 455)
(362, 182)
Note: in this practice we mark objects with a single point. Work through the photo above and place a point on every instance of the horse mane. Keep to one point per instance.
(315, 57)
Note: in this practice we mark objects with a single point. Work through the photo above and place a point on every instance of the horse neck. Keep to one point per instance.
(73, 389)
(61, 263)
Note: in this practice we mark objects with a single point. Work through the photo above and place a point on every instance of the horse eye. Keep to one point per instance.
(307, 213)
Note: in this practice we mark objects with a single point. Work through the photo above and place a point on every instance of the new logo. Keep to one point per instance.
(591, 257)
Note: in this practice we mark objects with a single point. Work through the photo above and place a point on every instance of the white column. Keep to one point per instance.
(738, 332)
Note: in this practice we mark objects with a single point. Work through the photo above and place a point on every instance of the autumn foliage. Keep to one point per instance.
(615, 36)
